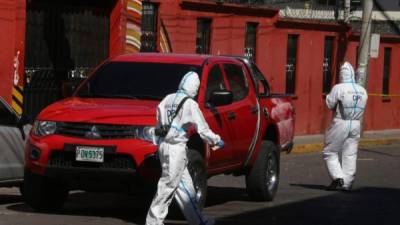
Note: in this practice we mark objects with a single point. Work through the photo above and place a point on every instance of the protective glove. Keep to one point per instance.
(220, 144)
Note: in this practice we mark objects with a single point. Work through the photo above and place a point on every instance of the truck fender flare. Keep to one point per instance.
(256, 136)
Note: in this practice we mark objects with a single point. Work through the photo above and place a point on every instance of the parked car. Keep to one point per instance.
(100, 138)
(13, 131)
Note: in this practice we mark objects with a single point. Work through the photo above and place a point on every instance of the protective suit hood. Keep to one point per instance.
(347, 73)
(190, 84)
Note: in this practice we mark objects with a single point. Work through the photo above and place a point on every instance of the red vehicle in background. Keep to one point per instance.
(100, 139)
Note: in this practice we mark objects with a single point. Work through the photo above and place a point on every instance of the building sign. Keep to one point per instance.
(374, 48)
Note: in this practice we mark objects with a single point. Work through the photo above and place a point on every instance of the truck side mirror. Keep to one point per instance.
(219, 98)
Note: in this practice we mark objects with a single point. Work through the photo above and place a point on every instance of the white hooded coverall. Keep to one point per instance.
(348, 99)
(175, 179)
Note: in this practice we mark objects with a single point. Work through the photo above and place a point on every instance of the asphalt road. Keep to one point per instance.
(301, 199)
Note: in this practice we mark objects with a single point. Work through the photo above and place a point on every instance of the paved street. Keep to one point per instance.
(301, 200)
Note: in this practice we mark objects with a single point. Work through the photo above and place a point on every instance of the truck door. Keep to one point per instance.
(11, 145)
(216, 117)
(243, 113)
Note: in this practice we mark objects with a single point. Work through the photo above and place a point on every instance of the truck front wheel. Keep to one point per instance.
(263, 179)
(42, 193)
(198, 172)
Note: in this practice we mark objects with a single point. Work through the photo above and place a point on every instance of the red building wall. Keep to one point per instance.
(228, 38)
(311, 114)
(12, 30)
(228, 28)
(382, 112)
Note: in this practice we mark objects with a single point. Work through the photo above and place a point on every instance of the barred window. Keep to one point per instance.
(250, 41)
(327, 2)
(386, 70)
(327, 65)
(291, 63)
(148, 38)
(203, 36)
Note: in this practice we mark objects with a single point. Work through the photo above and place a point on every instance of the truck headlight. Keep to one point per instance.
(146, 133)
(44, 128)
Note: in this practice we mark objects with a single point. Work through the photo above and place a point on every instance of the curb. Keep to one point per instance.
(317, 147)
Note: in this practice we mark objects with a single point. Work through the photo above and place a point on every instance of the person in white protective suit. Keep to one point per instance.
(348, 100)
(175, 179)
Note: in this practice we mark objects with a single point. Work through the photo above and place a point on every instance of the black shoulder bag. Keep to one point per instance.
(164, 129)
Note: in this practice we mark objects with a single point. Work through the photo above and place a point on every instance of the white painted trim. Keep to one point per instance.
(330, 14)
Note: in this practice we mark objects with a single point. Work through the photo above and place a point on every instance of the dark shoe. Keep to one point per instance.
(346, 189)
(335, 185)
(209, 221)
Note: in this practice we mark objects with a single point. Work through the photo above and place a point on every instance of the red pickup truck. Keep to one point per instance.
(100, 139)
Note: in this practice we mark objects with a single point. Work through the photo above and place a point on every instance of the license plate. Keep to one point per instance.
(89, 154)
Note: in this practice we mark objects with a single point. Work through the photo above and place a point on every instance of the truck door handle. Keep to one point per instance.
(231, 115)
(254, 109)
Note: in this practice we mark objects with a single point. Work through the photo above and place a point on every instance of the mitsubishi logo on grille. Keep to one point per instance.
(93, 133)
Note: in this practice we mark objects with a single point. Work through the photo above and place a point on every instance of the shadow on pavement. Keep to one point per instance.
(365, 206)
(221, 195)
(380, 153)
(124, 207)
(310, 186)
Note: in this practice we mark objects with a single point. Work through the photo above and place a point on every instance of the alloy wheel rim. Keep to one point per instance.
(196, 182)
(271, 173)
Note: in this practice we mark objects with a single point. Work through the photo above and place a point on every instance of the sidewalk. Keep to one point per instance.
(315, 143)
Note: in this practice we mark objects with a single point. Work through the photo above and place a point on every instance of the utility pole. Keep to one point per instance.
(365, 40)
(363, 54)
(346, 11)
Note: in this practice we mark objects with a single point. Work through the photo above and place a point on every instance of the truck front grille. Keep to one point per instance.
(96, 131)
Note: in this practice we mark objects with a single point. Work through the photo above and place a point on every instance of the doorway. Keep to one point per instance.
(65, 40)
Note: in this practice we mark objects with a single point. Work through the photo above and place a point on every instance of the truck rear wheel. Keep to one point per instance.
(263, 179)
(42, 193)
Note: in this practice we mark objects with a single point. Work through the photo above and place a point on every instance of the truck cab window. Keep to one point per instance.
(237, 81)
(262, 84)
(215, 81)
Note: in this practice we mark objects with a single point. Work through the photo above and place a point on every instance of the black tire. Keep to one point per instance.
(263, 179)
(42, 193)
(197, 170)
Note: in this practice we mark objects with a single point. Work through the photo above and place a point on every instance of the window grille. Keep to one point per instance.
(327, 65)
(203, 36)
(291, 63)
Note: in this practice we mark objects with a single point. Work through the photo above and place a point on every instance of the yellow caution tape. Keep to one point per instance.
(383, 95)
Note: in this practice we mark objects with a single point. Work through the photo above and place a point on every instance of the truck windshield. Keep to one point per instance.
(135, 80)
